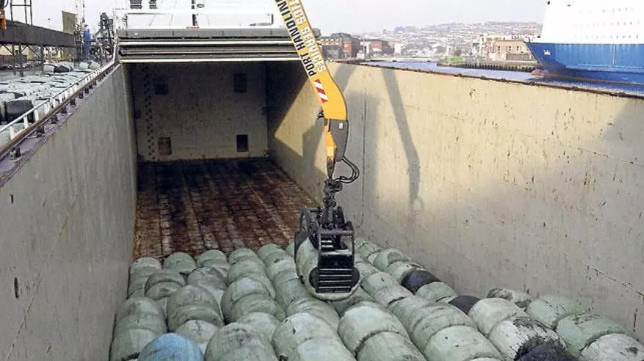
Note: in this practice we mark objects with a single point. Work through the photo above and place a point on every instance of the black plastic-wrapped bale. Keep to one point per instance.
(416, 279)
(464, 303)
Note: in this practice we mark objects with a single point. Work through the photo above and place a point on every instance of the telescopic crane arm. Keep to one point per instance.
(324, 230)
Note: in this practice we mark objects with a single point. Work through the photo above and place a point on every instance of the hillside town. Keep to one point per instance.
(490, 41)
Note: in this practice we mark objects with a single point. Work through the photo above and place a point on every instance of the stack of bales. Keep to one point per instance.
(249, 288)
(178, 297)
(400, 312)
(238, 341)
(587, 335)
(309, 333)
(372, 334)
(139, 321)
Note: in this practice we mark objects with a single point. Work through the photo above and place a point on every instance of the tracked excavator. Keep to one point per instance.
(324, 243)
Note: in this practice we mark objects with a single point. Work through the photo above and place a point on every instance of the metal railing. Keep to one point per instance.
(211, 14)
(34, 118)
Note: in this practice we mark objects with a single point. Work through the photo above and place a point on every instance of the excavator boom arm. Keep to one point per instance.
(331, 99)
(324, 232)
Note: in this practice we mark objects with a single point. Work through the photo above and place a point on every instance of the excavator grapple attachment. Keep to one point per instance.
(324, 255)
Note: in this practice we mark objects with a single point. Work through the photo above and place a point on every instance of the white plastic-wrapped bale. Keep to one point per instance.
(244, 267)
(276, 268)
(306, 263)
(214, 259)
(317, 308)
(365, 268)
(191, 295)
(180, 262)
(548, 310)
(389, 346)
(384, 288)
(183, 314)
(325, 349)
(239, 342)
(198, 331)
(144, 321)
(256, 303)
(459, 343)
(164, 276)
(192, 303)
(289, 288)
(298, 329)
(263, 279)
(137, 281)
(581, 330)
(209, 285)
(366, 249)
(618, 347)
(207, 277)
(436, 292)
(359, 241)
(432, 319)
(290, 249)
(359, 296)
(387, 257)
(407, 308)
(489, 312)
(416, 279)
(249, 353)
(517, 336)
(239, 289)
(365, 320)
(267, 249)
(241, 253)
(263, 323)
(129, 344)
(162, 290)
(398, 270)
(171, 347)
(211, 255)
(139, 305)
(144, 263)
(519, 298)
(276, 257)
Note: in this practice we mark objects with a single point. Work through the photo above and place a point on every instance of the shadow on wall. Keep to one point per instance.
(416, 204)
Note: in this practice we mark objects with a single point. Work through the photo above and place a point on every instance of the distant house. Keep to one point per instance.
(340, 46)
(514, 49)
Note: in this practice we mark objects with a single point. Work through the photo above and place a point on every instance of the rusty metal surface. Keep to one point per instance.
(194, 206)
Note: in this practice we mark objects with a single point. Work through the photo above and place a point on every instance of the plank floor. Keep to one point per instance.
(200, 205)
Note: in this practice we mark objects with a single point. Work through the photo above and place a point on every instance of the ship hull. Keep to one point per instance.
(617, 63)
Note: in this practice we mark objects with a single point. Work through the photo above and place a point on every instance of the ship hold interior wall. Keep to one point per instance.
(200, 111)
(67, 219)
(489, 183)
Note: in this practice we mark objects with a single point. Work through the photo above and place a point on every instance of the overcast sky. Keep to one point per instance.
(351, 15)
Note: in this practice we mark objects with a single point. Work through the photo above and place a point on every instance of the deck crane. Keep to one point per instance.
(324, 230)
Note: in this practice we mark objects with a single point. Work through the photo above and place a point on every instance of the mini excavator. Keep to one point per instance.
(324, 231)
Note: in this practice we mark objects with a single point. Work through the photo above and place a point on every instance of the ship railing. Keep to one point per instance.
(211, 15)
(32, 122)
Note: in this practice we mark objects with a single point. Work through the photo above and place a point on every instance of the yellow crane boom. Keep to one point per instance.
(333, 104)
(324, 244)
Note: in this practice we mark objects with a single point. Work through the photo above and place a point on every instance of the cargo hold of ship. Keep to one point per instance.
(485, 218)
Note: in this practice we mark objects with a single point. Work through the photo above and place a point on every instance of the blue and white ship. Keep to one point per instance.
(593, 39)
